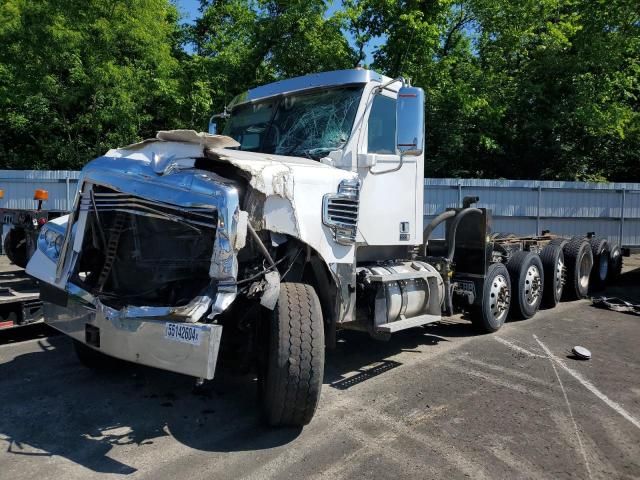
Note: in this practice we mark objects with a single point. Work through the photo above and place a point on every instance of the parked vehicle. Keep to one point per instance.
(304, 217)
(20, 228)
(19, 297)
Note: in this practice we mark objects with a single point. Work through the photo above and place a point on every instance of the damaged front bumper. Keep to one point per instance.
(182, 337)
(151, 342)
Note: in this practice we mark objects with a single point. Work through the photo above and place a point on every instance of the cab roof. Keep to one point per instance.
(315, 80)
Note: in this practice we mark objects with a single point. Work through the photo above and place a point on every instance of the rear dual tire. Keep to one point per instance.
(553, 266)
(579, 261)
(15, 247)
(615, 262)
(527, 279)
(601, 255)
(491, 314)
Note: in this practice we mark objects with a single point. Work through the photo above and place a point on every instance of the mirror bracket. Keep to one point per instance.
(394, 169)
(213, 126)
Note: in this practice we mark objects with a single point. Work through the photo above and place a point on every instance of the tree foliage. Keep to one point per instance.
(77, 78)
(527, 89)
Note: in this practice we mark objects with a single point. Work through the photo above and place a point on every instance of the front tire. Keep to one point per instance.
(491, 314)
(293, 365)
(527, 278)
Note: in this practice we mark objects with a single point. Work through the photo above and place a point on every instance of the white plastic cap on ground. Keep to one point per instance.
(581, 352)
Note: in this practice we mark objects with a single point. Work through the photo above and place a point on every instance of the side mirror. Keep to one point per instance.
(213, 126)
(410, 121)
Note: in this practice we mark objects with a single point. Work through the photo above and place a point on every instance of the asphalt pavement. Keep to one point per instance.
(433, 402)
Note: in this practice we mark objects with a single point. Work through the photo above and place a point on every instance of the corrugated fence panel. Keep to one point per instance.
(631, 224)
(527, 207)
(19, 186)
(520, 206)
(580, 203)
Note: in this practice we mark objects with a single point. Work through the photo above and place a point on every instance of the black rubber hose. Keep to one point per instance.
(260, 245)
(454, 227)
(432, 226)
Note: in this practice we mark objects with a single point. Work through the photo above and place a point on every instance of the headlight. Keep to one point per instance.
(58, 244)
(50, 242)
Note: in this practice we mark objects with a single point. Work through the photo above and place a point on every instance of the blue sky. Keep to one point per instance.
(190, 11)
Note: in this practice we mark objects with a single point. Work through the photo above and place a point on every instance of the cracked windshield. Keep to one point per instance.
(305, 125)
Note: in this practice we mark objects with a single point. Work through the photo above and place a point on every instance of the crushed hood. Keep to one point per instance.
(291, 188)
(270, 174)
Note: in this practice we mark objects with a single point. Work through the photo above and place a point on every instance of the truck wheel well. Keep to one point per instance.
(310, 268)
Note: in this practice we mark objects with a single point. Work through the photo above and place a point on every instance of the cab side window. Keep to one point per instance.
(382, 126)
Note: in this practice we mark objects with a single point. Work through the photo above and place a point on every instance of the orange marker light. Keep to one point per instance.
(41, 195)
(1, 194)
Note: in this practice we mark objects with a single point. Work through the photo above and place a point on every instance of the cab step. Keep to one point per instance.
(405, 323)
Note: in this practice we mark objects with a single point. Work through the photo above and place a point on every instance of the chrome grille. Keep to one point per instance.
(340, 211)
(122, 202)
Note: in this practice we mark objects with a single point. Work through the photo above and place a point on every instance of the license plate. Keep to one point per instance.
(181, 332)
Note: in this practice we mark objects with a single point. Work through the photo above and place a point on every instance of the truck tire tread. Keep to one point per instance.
(296, 357)
(573, 251)
(518, 266)
(550, 256)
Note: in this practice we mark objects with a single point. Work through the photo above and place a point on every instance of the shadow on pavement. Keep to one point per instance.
(54, 406)
(625, 287)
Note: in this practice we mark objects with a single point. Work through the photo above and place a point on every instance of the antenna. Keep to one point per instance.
(404, 55)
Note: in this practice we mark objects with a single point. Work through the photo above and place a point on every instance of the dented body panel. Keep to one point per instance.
(131, 259)
(291, 202)
(284, 196)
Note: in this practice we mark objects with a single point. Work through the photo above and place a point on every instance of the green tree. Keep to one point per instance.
(78, 77)
(531, 89)
(243, 43)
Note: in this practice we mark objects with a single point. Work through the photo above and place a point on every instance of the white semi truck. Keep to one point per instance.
(305, 217)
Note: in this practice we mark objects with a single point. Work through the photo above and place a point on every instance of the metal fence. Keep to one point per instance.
(527, 207)
(520, 206)
(19, 186)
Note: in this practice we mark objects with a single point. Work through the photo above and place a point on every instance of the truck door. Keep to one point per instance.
(391, 193)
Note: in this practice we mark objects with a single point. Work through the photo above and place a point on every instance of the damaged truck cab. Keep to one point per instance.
(303, 218)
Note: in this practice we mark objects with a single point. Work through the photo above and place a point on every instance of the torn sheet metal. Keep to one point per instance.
(184, 190)
(617, 305)
(203, 139)
(291, 192)
(271, 290)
